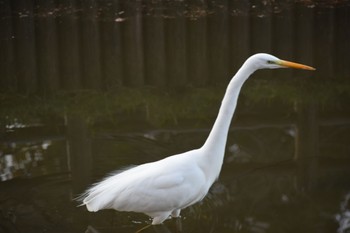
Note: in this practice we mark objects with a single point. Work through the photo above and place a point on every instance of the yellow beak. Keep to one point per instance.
(289, 64)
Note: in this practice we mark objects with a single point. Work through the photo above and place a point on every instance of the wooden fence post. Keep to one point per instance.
(219, 44)
(47, 47)
(7, 55)
(111, 44)
(176, 49)
(90, 45)
(197, 51)
(24, 37)
(133, 44)
(69, 51)
(155, 48)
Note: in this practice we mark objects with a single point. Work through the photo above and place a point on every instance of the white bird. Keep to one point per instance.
(163, 188)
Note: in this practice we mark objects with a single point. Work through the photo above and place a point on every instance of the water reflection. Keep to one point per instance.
(27, 160)
(262, 194)
(343, 217)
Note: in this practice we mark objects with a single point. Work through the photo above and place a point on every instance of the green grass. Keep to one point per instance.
(162, 107)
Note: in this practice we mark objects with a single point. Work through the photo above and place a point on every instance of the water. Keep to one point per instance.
(95, 86)
(261, 187)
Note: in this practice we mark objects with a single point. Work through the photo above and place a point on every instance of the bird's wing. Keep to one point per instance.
(160, 189)
(163, 185)
(168, 181)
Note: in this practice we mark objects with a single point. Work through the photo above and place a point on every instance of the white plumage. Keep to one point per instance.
(162, 188)
(165, 182)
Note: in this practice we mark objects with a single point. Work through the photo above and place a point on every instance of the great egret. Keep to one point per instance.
(163, 188)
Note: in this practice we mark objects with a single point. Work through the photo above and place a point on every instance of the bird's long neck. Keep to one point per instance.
(214, 147)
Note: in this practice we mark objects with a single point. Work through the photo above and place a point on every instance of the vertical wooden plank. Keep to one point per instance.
(133, 44)
(47, 46)
(155, 49)
(69, 55)
(261, 33)
(197, 51)
(176, 51)
(219, 46)
(283, 32)
(90, 45)
(239, 34)
(111, 43)
(342, 47)
(304, 36)
(24, 34)
(325, 42)
(7, 57)
(261, 28)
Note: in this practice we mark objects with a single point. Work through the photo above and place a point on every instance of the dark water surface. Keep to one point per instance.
(261, 187)
(90, 87)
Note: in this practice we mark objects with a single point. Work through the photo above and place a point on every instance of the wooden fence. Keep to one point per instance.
(49, 45)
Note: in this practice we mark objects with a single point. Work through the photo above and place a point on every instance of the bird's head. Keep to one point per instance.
(267, 61)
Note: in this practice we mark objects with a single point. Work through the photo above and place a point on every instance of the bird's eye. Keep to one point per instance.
(270, 62)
